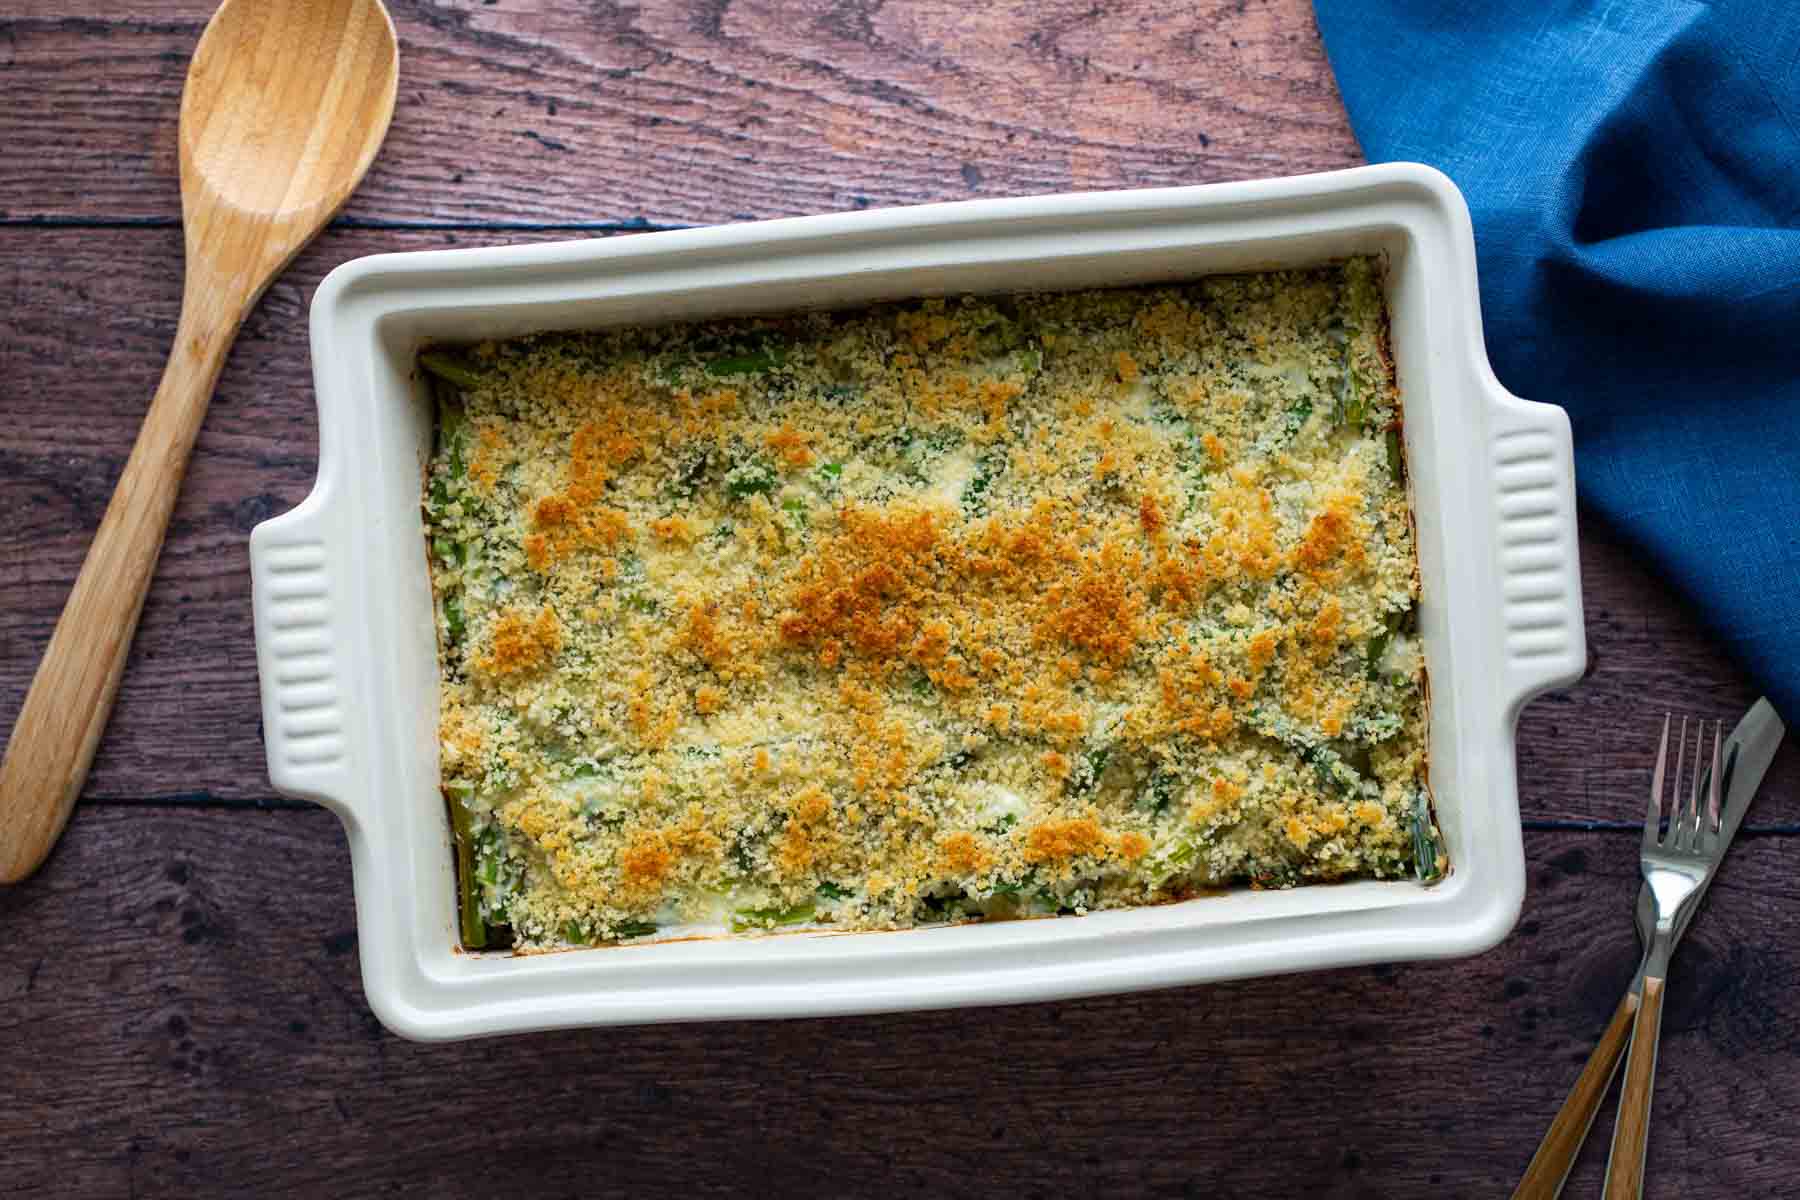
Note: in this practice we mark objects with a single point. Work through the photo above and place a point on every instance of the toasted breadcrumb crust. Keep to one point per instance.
(960, 608)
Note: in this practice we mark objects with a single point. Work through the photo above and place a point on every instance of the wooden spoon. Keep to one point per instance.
(286, 103)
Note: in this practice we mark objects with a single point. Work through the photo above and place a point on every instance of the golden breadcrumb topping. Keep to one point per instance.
(954, 609)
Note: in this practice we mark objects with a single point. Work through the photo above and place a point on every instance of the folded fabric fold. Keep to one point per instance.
(1634, 175)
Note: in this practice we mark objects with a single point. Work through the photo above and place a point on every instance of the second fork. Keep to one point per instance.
(1675, 864)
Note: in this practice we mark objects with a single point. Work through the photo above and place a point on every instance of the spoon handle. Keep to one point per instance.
(72, 693)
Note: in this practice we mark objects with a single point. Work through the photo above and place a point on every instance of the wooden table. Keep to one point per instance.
(179, 1003)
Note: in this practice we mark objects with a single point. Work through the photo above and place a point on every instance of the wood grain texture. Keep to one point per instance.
(180, 986)
(1631, 1134)
(255, 188)
(1562, 1144)
(187, 722)
(701, 111)
(187, 985)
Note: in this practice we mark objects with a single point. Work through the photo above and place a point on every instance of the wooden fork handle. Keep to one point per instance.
(1543, 1179)
(72, 693)
(1631, 1135)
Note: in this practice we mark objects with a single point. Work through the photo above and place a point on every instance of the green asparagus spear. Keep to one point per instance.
(474, 929)
(450, 367)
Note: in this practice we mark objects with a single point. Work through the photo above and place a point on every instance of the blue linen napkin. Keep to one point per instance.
(1633, 168)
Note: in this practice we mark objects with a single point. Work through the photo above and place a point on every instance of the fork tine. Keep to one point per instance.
(1691, 825)
(1698, 824)
(1694, 825)
(1686, 788)
(1691, 803)
(1713, 815)
(1652, 821)
(1677, 803)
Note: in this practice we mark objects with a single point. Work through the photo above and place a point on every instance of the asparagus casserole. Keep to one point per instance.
(954, 609)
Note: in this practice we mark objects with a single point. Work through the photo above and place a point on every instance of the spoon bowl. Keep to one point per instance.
(335, 67)
(285, 105)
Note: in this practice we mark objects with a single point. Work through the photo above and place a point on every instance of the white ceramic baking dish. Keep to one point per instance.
(344, 631)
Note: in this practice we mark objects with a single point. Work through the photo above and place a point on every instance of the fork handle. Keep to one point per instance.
(1544, 1178)
(1631, 1135)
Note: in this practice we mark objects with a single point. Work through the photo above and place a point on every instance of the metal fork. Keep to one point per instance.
(1676, 864)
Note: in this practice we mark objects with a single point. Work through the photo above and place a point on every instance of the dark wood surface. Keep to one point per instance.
(180, 1011)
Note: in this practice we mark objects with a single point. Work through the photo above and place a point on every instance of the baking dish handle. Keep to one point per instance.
(1536, 554)
(305, 730)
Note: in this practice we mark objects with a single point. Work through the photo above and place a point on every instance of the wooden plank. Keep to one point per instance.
(92, 313)
(1585, 754)
(187, 986)
(187, 722)
(712, 110)
(183, 983)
